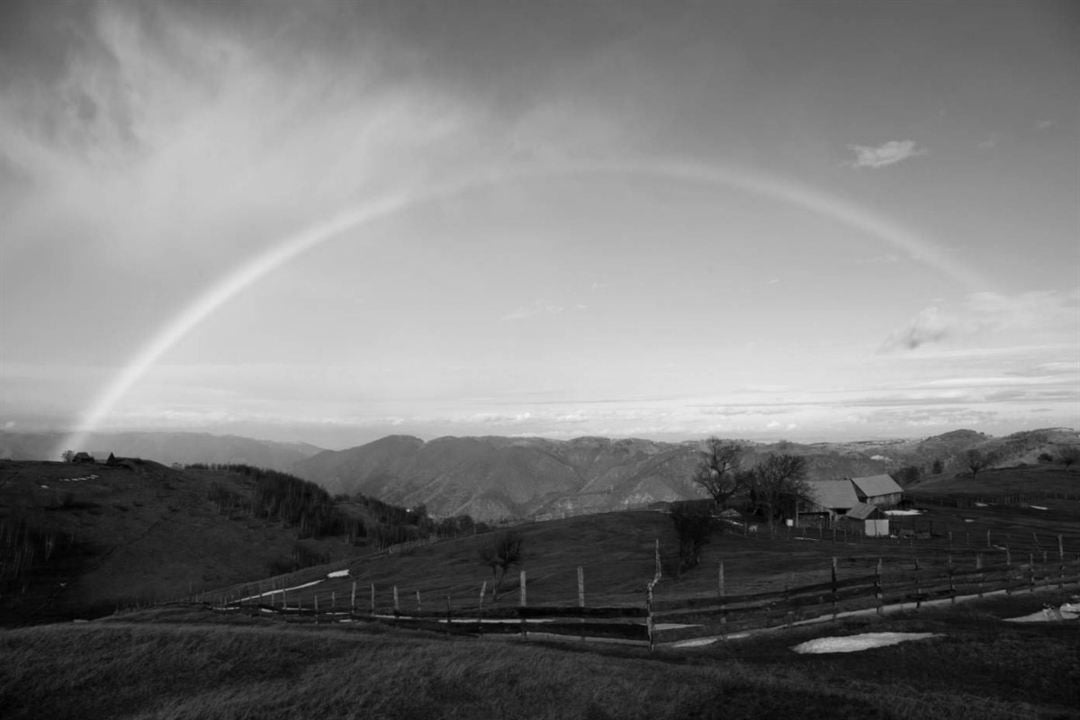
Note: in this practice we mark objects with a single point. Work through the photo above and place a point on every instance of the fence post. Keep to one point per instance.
(952, 584)
(372, 598)
(419, 607)
(918, 587)
(834, 588)
(979, 577)
(333, 600)
(581, 596)
(1008, 570)
(480, 610)
(397, 604)
(1061, 563)
(524, 626)
(449, 615)
(723, 605)
(1031, 571)
(877, 588)
(316, 608)
(352, 604)
(649, 624)
(988, 545)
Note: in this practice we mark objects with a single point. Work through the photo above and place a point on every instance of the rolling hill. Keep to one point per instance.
(79, 539)
(164, 447)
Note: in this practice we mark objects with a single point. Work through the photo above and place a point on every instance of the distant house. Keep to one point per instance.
(880, 490)
(875, 521)
(831, 499)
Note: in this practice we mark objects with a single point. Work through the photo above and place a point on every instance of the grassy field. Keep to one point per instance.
(185, 664)
(616, 552)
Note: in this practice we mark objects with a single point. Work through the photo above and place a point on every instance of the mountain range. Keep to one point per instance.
(492, 478)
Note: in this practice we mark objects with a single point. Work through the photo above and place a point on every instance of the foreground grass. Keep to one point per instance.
(171, 669)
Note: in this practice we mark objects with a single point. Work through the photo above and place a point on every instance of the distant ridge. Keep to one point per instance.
(499, 477)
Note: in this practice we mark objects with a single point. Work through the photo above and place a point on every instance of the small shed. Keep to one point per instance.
(879, 490)
(875, 521)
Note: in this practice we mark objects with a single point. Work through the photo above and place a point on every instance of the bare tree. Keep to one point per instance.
(778, 484)
(977, 461)
(501, 552)
(68, 455)
(718, 471)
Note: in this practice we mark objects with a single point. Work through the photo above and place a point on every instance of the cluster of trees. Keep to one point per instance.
(393, 524)
(281, 497)
(770, 489)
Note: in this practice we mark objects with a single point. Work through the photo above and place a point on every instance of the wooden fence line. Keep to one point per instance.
(699, 616)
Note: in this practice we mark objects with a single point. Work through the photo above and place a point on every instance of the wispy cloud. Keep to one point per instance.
(1036, 315)
(889, 153)
(536, 307)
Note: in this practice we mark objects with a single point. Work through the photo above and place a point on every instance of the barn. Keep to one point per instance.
(880, 490)
(831, 499)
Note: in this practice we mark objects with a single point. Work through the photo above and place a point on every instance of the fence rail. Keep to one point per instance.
(671, 620)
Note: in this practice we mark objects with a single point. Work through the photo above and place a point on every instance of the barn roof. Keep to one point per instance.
(877, 485)
(834, 494)
(865, 511)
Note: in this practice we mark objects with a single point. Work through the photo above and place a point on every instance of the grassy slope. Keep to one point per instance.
(148, 533)
(616, 551)
(1022, 480)
(982, 669)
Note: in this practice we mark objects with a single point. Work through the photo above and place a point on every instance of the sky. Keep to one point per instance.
(328, 222)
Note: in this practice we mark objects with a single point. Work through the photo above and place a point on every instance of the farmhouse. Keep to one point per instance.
(831, 499)
(880, 490)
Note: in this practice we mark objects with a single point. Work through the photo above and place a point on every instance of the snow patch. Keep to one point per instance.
(338, 573)
(903, 512)
(1038, 507)
(1068, 611)
(857, 643)
(696, 642)
(979, 504)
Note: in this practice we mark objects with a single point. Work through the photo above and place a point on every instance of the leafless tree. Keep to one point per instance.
(719, 471)
(501, 552)
(977, 461)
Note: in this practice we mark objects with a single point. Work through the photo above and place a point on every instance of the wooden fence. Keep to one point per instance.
(723, 615)
(678, 619)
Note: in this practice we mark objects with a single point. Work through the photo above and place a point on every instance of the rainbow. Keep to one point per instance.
(788, 192)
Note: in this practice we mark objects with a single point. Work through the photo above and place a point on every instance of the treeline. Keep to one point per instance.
(280, 497)
(393, 524)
